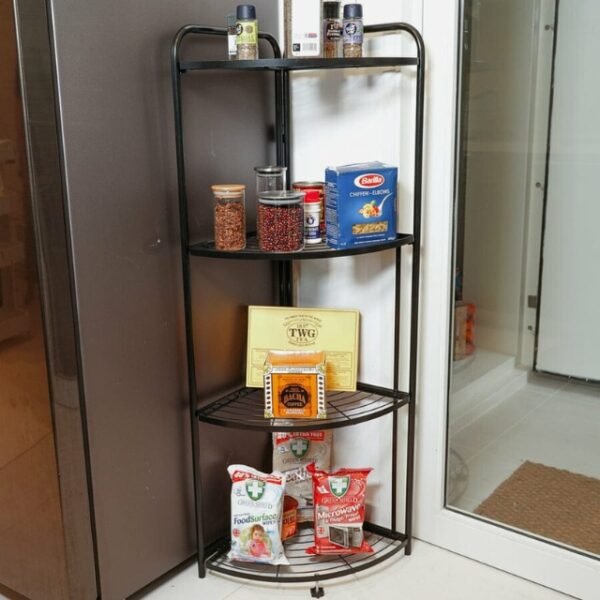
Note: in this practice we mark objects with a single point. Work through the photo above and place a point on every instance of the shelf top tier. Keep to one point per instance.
(311, 251)
(296, 64)
(244, 409)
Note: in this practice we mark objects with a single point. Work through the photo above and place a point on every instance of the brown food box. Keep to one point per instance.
(295, 385)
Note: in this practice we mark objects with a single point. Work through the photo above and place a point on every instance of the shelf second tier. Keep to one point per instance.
(320, 250)
(244, 409)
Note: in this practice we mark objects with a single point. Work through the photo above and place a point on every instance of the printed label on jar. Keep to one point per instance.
(353, 32)
(333, 31)
(312, 229)
(247, 32)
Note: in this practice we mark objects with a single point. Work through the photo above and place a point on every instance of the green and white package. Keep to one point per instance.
(292, 453)
(256, 512)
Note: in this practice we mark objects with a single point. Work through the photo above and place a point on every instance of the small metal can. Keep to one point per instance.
(305, 186)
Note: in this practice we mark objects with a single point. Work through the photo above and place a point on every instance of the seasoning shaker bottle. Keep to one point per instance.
(231, 36)
(312, 217)
(229, 216)
(280, 221)
(353, 30)
(270, 178)
(246, 40)
(332, 30)
(319, 186)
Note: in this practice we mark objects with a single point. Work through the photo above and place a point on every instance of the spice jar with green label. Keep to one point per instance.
(246, 40)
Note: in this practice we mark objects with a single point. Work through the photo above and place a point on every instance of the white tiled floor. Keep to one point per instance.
(430, 573)
(548, 421)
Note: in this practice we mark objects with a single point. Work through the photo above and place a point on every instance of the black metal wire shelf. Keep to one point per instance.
(320, 250)
(304, 567)
(244, 409)
(296, 64)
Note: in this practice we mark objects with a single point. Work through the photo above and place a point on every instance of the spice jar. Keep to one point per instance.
(280, 221)
(353, 30)
(305, 186)
(270, 178)
(230, 216)
(312, 217)
(231, 36)
(332, 30)
(246, 39)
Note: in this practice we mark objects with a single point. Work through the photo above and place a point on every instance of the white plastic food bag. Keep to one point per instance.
(292, 453)
(256, 510)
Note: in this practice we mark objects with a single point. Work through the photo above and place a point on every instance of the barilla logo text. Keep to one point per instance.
(370, 180)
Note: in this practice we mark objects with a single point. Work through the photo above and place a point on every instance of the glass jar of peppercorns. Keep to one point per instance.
(230, 216)
(280, 221)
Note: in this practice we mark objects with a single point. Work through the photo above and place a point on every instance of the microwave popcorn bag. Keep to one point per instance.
(339, 511)
(256, 511)
(292, 453)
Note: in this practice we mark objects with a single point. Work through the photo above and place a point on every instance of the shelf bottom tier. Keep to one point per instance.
(304, 567)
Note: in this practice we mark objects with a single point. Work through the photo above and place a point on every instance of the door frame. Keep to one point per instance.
(497, 546)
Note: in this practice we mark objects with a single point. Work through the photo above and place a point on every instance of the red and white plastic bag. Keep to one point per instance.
(339, 511)
(256, 511)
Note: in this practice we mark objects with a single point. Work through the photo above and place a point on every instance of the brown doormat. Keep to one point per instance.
(549, 502)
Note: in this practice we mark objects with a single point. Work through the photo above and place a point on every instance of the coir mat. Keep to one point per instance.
(553, 503)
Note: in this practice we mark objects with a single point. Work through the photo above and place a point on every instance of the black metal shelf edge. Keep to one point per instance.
(244, 409)
(320, 250)
(297, 64)
(307, 568)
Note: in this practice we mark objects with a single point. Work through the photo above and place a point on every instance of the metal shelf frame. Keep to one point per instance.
(320, 250)
(244, 409)
(304, 567)
(381, 401)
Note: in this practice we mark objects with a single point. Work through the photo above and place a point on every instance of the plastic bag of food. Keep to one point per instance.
(256, 509)
(339, 511)
(292, 453)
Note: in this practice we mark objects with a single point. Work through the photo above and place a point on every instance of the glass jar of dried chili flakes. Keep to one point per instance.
(281, 221)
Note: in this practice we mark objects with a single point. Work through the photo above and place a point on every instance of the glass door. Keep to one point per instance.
(508, 430)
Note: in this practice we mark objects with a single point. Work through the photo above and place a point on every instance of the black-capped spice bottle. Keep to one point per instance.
(353, 30)
(246, 40)
(332, 30)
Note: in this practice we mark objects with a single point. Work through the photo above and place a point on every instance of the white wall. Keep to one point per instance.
(502, 71)
(342, 117)
(569, 321)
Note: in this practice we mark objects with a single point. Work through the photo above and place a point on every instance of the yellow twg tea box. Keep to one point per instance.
(295, 385)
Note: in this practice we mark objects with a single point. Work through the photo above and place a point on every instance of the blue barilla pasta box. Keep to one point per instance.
(360, 204)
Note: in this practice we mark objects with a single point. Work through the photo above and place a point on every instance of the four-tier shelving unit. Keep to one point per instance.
(243, 408)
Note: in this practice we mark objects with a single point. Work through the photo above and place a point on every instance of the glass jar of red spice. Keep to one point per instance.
(280, 221)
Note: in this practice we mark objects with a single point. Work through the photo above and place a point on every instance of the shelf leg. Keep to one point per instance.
(317, 591)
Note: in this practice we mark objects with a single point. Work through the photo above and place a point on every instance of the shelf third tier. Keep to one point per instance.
(244, 409)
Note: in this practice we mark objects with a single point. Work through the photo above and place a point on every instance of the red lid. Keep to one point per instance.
(312, 196)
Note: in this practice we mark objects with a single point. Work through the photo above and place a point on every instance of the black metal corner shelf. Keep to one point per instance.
(244, 409)
(297, 64)
(320, 250)
(304, 567)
